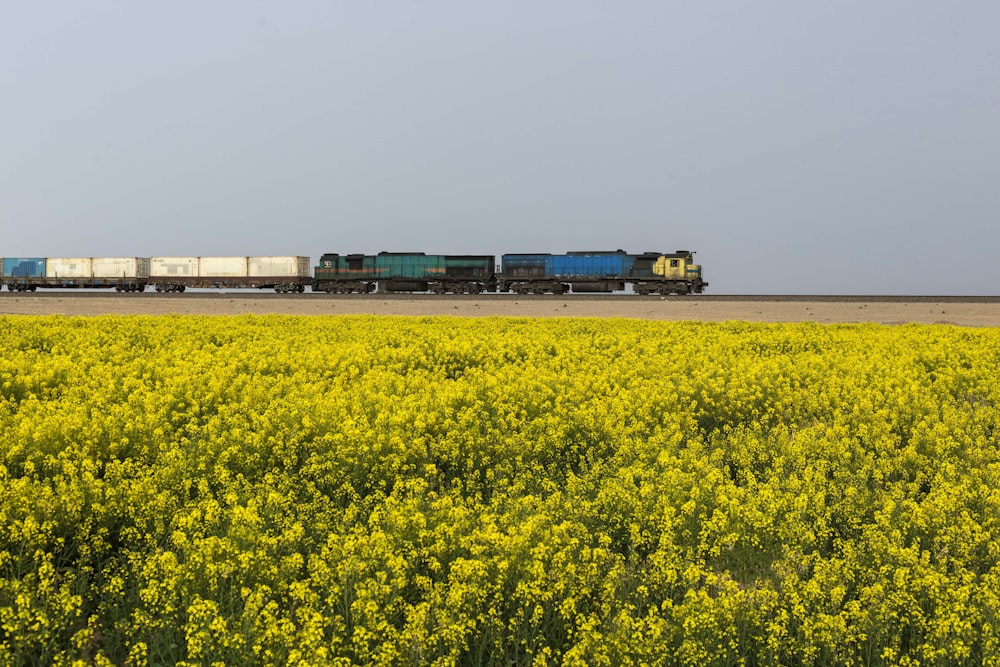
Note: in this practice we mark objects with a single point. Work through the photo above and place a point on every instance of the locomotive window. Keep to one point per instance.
(354, 264)
(674, 263)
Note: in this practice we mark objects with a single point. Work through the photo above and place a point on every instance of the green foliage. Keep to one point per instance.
(443, 491)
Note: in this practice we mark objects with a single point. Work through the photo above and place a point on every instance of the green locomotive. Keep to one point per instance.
(405, 272)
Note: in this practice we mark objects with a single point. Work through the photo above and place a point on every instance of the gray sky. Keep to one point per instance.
(798, 147)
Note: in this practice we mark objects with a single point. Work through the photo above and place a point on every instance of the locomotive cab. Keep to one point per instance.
(677, 266)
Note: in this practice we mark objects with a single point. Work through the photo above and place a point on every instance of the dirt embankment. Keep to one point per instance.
(825, 311)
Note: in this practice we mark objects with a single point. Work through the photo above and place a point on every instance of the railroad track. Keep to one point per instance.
(265, 296)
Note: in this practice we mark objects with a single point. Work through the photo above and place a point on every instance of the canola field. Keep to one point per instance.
(268, 490)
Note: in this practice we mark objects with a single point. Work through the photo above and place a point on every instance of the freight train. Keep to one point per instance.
(386, 272)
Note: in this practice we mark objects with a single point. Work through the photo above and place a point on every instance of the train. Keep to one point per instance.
(385, 272)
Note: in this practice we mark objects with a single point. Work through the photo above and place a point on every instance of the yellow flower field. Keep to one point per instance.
(267, 490)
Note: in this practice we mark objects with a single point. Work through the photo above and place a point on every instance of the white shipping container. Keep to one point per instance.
(223, 267)
(67, 267)
(173, 267)
(279, 267)
(120, 267)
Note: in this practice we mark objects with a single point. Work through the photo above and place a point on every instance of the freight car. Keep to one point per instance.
(285, 274)
(647, 273)
(125, 274)
(405, 272)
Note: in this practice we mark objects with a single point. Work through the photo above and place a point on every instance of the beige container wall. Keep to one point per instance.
(173, 267)
(223, 267)
(280, 267)
(120, 267)
(67, 267)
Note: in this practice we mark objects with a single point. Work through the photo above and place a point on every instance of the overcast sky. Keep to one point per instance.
(799, 147)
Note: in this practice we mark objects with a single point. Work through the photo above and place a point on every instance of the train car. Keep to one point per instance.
(125, 274)
(601, 271)
(20, 273)
(389, 272)
(285, 274)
